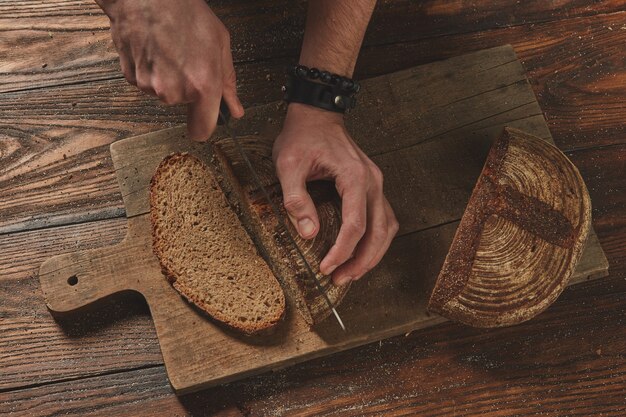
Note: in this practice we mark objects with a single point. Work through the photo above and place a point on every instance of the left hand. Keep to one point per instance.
(313, 145)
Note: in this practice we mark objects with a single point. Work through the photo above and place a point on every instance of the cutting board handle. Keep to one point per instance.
(73, 280)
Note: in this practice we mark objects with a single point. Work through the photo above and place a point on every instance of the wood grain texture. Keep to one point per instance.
(582, 94)
(393, 298)
(573, 66)
(68, 41)
(568, 74)
(34, 348)
(82, 346)
(535, 368)
(68, 152)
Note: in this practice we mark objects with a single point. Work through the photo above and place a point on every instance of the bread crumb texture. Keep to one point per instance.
(205, 252)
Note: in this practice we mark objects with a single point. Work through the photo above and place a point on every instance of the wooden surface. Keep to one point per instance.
(108, 362)
(392, 300)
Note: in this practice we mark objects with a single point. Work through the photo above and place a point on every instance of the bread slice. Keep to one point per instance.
(519, 240)
(257, 216)
(205, 252)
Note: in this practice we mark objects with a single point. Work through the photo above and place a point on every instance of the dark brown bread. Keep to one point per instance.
(520, 237)
(205, 252)
(258, 217)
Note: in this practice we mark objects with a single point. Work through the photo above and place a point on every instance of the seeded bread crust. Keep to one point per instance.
(202, 246)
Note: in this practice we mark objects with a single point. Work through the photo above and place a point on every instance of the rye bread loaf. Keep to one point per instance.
(205, 252)
(520, 237)
(257, 216)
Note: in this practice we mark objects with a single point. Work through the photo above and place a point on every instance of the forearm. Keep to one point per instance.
(334, 33)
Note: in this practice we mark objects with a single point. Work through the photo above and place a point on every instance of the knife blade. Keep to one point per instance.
(223, 120)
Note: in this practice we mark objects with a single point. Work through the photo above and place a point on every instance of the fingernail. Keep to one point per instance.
(306, 227)
(344, 280)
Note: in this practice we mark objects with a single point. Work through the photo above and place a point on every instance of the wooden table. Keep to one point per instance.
(63, 101)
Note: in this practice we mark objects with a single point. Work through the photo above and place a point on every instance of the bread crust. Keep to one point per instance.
(277, 249)
(250, 327)
(515, 195)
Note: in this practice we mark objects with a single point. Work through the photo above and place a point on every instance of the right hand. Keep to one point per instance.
(178, 51)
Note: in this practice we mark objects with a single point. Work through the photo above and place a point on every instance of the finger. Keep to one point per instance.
(202, 117)
(354, 220)
(392, 231)
(144, 82)
(127, 64)
(168, 90)
(229, 89)
(372, 243)
(128, 68)
(300, 208)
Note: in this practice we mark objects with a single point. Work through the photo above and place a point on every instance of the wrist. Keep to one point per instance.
(307, 113)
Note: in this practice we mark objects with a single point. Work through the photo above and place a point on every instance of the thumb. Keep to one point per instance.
(298, 202)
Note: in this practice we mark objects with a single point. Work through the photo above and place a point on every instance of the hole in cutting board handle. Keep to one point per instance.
(73, 280)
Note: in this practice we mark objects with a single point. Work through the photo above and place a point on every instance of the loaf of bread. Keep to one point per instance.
(257, 216)
(206, 253)
(519, 240)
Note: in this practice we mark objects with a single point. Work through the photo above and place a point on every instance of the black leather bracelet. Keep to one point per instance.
(320, 89)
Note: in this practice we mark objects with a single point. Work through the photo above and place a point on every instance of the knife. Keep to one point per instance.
(224, 118)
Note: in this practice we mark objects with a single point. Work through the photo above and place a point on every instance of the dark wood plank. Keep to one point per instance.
(67, 41)
(575, 66)
(142, 392)
(121, 335)
(569, 361)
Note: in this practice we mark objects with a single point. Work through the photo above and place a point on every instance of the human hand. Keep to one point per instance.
(314, 144)
(178, 51)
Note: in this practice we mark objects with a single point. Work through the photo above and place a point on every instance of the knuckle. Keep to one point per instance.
(231, 78)
(167, 99)
(358, 171)
(356, 225)
(380, 232)
(394, 226)
(225, 34)
(130, 76)
(377, 175)
(199, 83)
(294, 202)
(286, 161)
(143, 83)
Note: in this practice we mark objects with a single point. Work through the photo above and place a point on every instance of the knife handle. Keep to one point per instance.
(224, 115)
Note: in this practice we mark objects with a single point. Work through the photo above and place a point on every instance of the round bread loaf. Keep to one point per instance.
(520, 237)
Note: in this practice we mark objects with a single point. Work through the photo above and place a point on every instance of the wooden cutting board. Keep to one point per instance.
(428, 128)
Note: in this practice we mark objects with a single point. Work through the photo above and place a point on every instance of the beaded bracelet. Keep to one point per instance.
(320, 89)
(347, 85)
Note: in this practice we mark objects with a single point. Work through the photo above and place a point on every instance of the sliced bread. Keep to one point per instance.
(205, 252)
(257, 216)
